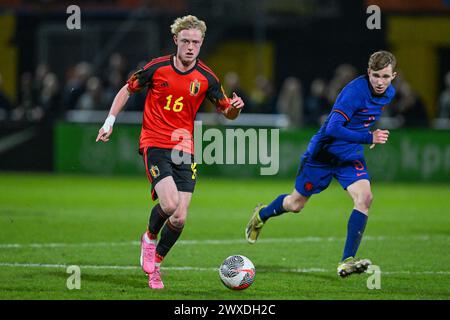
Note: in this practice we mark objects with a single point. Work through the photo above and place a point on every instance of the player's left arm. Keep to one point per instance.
(235, 106)
(230, 108)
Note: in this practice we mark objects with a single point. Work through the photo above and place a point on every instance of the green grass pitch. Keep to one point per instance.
(49, 222)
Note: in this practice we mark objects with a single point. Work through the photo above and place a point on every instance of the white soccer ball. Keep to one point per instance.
(237, 272)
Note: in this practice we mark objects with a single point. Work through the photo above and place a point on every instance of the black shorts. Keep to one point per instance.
(158, 165)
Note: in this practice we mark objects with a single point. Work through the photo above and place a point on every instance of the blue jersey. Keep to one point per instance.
(348, 125)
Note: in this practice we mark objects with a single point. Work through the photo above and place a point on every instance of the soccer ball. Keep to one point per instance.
(237, 272)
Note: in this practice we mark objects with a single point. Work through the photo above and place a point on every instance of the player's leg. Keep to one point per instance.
(361, 194)
(362, 198)
(159, 173)
(168, 201)
(169, 235)
(184, 177)
(173, 226)
(293, 202)
(312, 178)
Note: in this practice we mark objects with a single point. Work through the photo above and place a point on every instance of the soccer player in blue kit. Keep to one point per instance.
(337, 151)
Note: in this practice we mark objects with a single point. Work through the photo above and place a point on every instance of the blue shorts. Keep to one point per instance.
(314, 177)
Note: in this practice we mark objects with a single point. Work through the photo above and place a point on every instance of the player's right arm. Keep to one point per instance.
(336, 129)
(119, 102)
(138, 81)
(342, 111)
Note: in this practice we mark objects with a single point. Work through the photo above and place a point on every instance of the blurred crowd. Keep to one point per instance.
(44, 97)
(311, 105)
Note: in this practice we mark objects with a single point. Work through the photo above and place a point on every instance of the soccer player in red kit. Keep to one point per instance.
(176, 86)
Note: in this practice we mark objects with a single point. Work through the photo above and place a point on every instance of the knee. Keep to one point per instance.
(178, 221)
(364, 201)
(169, 205)
(296, 206)
(368, 200)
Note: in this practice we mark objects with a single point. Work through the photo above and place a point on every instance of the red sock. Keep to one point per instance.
(152, 236)
(158, 258)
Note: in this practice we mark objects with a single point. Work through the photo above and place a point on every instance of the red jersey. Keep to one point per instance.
(173, 99)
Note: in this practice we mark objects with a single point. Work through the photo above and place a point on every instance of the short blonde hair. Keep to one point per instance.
(381, 59)
(188, 22)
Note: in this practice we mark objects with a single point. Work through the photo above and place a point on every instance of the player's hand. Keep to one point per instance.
(236, 101)
(379, 137)
(106, 130)
(102, 135)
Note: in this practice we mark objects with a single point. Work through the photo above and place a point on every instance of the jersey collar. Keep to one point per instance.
(172, 59)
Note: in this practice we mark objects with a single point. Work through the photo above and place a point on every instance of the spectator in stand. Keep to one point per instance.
(411, 107)
(5, 104)
(343, 74)
(114, 83)
(444, 99)
(116, 73)
(41, 71)
(117, 63)
(27, 109)
(290, 101)
(407, 106)
(316, 104)
(262, 96)
(76, 84)
(49, 98)
(232, 83)
(94, 97)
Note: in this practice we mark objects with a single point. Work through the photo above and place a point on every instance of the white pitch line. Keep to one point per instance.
(213, 242)
(64, 245)
(205, 269)
(64, 266)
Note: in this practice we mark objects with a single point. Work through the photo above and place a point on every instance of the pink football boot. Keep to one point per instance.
(148, 251)
(154, 279)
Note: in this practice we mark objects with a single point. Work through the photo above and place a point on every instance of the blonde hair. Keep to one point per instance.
(188, 22)
(381, 59)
